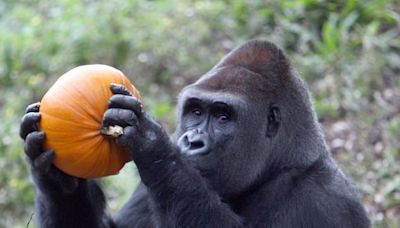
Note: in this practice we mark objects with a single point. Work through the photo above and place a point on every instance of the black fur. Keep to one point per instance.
(247, 152)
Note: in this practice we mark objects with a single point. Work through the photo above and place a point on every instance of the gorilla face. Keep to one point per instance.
(225, 131)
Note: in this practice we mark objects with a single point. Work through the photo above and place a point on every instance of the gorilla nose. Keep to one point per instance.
(194, 142)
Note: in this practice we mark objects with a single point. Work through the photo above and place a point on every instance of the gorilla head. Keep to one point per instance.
(248, 116)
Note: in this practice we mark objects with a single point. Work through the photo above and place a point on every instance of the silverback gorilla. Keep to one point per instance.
(247, 152)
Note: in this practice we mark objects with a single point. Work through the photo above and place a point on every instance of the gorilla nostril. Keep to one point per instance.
(196, 145)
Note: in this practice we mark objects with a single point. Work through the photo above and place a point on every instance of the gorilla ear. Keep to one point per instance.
(274, 120)
(261, 57)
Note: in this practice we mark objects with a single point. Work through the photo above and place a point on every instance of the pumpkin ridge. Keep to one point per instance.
(118, 156)
(110, 149)
(112, 167)
(72, 168)
(83, 108)
(92, 109)
(73, 139)
(99, 160)
(80, 126)
(72, 118)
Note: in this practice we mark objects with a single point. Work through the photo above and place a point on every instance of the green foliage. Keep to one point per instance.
(347, 51)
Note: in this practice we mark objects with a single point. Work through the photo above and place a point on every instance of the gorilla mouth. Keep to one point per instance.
(193, 150)
(196, 145)
(192, 143)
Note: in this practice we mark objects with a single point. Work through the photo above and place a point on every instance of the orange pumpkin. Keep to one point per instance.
(71, 116)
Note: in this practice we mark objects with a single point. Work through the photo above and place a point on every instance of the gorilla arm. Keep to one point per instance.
(180, 196)
(61, 200)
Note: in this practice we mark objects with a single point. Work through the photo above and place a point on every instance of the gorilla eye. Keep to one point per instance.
(223, 118)
(197, 112)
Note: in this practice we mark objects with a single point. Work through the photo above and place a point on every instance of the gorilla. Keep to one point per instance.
(247, 152)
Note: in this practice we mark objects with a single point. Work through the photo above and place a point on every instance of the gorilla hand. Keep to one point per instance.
(144, 138)
(46, 176)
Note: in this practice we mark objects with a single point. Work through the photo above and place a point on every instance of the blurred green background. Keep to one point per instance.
(347, 51)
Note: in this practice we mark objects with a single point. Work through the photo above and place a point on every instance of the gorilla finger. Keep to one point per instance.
(44, 161)
(126, 139)
(125, 102)
(33, 146)
(29, 123)
(120, 117)
(33, 107)
(119, 89)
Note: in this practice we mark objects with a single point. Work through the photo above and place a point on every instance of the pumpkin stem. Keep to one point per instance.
(113, 131)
